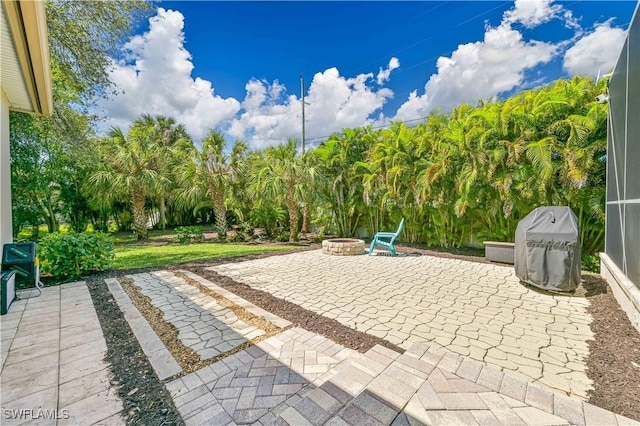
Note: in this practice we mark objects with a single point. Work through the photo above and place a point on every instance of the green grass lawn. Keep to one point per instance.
(129, 237)
(144, 256)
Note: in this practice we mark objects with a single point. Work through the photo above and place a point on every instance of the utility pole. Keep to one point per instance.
(302, 99)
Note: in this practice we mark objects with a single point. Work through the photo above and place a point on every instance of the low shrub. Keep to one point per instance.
(267, 218)
(66, 255)
(189, 234)
(317, 238)
(591, 263)
(239, 237)
(283, 237)
(319, 235)
(243, 233)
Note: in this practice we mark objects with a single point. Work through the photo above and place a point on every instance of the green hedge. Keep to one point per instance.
(75, 254)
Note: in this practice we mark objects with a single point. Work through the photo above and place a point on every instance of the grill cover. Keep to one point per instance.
(547, 249)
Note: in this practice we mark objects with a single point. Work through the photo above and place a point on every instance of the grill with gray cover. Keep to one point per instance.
(547, 249)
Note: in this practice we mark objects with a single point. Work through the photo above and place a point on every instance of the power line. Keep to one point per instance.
(420, 63)
(480, 14)
(407, 68)
(401, 69)
(406, 47)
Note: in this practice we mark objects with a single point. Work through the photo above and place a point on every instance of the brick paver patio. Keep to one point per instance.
(299, 378)
(53, 370)
(293, 378)
(473, 309)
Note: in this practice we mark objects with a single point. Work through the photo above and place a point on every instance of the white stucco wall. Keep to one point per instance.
(5, 172)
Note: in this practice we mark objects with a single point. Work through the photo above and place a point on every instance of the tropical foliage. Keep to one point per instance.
(73, 254)
(458, 178)
(52, 156)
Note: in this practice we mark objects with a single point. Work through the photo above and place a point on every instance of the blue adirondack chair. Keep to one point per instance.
(387, 239)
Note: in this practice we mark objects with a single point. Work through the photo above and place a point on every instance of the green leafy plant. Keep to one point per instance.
(591, 263)
(75, 254)
(283, 237)
(189, 234)
(267, 217)
(317, 238)
(243, 233)
(239, 237)
(319, 235)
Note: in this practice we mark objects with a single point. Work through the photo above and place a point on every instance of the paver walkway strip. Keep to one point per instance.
(203, 325)
(476, 310)
(239, 301)
(301, 378)
(54, 363)
(259, 382)
(163, 363)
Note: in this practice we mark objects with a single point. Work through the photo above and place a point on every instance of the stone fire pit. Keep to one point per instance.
(343, 247)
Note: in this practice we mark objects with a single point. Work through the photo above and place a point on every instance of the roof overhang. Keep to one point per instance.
(25, 71)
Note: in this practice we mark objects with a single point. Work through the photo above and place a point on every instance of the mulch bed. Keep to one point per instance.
(613, 364)
(146, 401)
(614, 355)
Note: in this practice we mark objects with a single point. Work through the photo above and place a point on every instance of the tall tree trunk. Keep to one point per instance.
(49, 215)
(139, 214)
(292, 206)
(163, 213)
(306, 214)
(219, 209)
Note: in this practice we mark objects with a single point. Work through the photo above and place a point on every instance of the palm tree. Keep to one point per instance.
(209, 174)
(282, 176)
(127, 170)
(342, 187)
(173, 146)
(309, 194)
(239, 199)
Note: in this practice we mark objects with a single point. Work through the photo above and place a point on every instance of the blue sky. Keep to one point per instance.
(236, 65)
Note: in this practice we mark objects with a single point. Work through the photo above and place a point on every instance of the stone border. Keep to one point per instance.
(163, 363)
(239, 301)
(625, 292)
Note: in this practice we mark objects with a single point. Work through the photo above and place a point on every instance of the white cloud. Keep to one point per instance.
(155, 78)
(385, 74)
(596, 51)
(531, 13)
(479, 70)
(333, 103)
(484, 69)
(265, 118)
